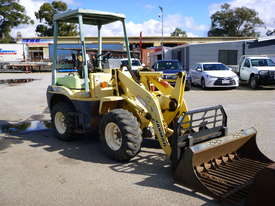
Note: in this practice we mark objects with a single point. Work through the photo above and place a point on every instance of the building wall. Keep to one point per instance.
(46, 53)
(258, 48)
(191, 54)
(43, 43)
(210, 52)
(156, 54)
(13, 52)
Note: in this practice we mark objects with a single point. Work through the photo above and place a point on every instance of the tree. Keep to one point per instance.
(45, 15)
(12, 14)
(179, 32)
(235, 22)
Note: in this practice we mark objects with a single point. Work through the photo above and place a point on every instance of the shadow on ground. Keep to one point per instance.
(150, 162)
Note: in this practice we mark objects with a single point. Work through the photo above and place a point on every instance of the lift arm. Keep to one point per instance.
(151, 102)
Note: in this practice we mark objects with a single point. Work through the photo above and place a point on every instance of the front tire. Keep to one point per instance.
(253, 83)
(62, 121)
(188, 85)
(120, 135)
(203, 84)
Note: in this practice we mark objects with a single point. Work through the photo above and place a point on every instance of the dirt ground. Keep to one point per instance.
(37, 169)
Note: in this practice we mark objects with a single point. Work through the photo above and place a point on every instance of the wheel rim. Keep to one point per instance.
(113, 136)
(59, 121)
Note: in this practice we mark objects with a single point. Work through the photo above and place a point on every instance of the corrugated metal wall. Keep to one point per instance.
(192, 54)
(258, 48)
(210, 52)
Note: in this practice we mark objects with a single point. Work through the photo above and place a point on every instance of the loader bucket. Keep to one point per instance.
(262, 189)
(223, 168)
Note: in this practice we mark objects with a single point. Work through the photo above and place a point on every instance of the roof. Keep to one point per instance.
(171, 60)
(208, 43)
(266, 38)
(258, 57)
(92, 17)
(126, 59)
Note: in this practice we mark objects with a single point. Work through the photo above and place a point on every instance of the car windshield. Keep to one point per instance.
(262, 62)
(134, 63)
(213, 67)
(168, 65)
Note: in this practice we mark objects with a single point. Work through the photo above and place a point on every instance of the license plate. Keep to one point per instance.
(225, 81)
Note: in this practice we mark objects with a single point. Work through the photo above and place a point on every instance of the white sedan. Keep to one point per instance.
(136, 64)
(213, 74)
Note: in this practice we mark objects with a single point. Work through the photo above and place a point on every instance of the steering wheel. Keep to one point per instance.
(95, 59)
(105, 56)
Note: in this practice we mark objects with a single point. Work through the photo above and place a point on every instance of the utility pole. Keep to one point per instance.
(162, 50)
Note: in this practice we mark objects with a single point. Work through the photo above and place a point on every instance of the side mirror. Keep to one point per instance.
(199, 69)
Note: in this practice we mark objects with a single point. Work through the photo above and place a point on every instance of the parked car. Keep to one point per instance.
(257, 71)
(213, 74)
(136, 64)
(170, 68)
(122, 63)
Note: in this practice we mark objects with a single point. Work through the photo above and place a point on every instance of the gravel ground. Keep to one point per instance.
(37, 169)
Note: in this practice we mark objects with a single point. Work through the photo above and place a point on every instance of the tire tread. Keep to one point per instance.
(131, 134)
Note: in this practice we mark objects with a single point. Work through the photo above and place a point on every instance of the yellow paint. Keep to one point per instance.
(122, 91)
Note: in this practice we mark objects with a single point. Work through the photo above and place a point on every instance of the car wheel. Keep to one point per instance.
(191, 82)
(188, 85)
(253, 83)
(203, 84)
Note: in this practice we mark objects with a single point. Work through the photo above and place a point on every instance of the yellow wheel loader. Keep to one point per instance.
(127, 106)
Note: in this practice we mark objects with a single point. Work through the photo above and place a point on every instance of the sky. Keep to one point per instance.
(193, 16)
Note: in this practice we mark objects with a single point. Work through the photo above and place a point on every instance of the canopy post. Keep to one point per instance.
(55, 32)
(83, 49)
(99, 47)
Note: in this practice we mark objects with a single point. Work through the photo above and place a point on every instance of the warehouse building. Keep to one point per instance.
(228, 52)
(39, 48)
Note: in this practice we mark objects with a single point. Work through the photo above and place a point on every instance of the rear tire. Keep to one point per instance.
(120, 135)
(62, 122)
(253, 83)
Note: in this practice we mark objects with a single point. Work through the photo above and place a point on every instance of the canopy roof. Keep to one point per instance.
(89, 17)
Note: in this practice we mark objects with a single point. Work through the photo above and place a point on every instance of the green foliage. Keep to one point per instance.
(234, 22)
(45, 15)
(178, 32)
(12, 14)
